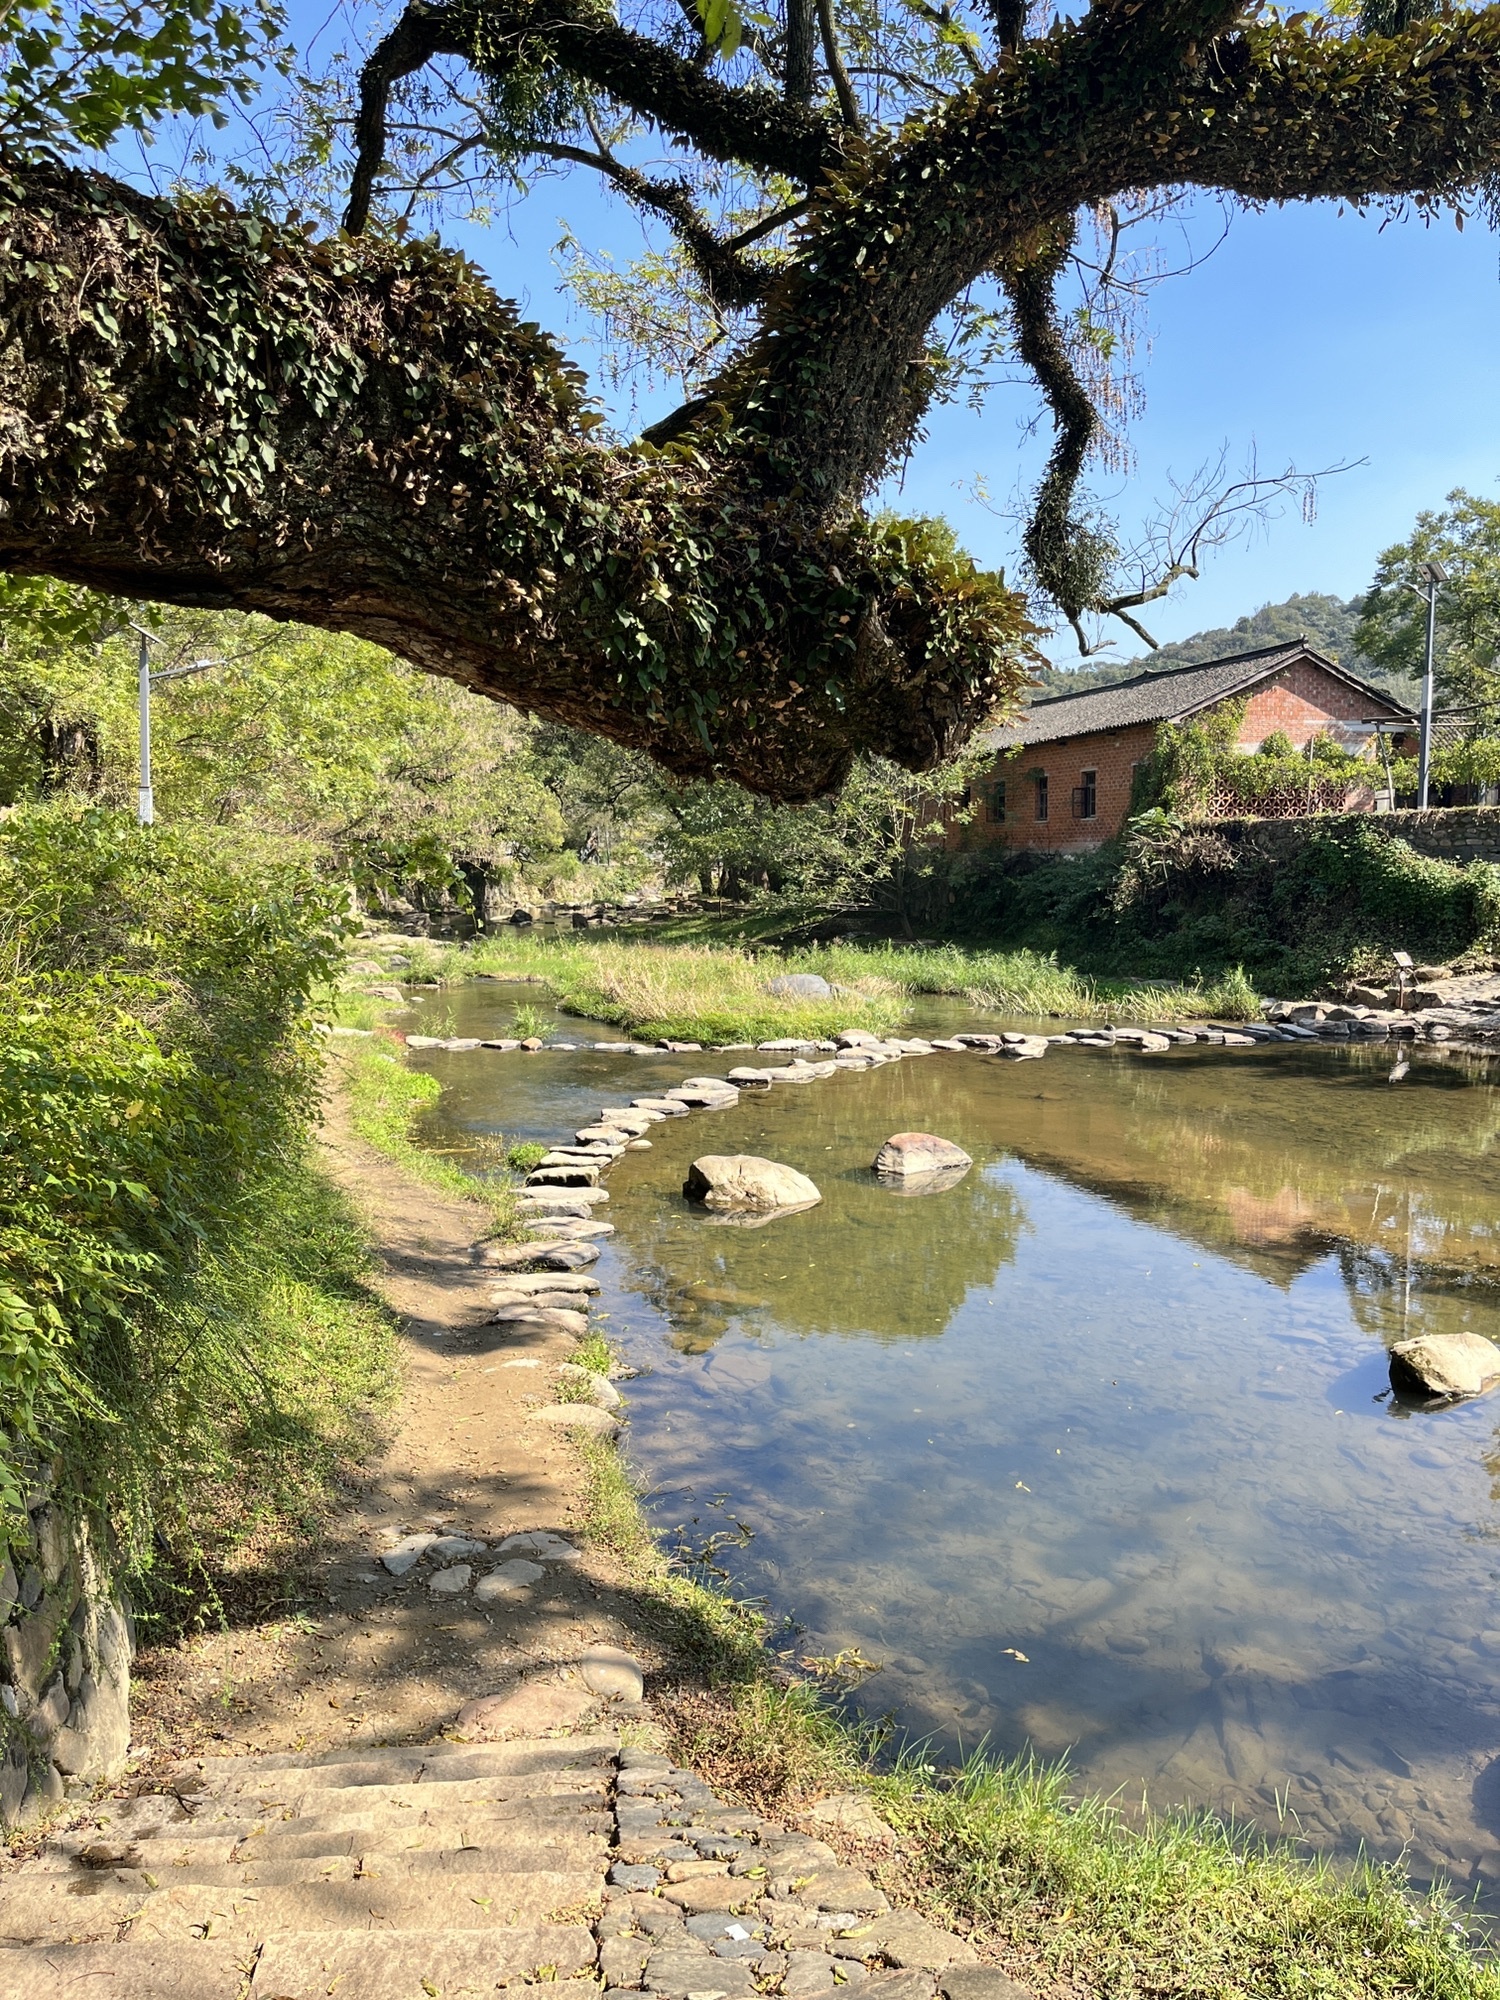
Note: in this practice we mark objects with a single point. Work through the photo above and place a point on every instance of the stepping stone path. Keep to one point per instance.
(456, 1868)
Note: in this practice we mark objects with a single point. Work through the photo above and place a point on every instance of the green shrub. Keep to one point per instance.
(162, 1312)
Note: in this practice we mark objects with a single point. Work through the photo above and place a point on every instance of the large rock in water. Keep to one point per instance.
(919, 1153)
(1445, 1364)
(740, 1180)
(799, 986)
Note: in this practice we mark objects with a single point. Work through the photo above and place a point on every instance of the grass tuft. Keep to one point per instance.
(387, 1101)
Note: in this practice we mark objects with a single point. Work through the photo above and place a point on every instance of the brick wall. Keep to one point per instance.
(1111, 754)
(1301, 701)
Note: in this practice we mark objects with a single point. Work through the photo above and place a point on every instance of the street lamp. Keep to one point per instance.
(146, 807)
(1435, 576)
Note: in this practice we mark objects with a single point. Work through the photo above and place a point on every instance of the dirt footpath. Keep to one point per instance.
(376, 1658)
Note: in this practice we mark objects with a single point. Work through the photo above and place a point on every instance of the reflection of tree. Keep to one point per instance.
(1395, 1296)
(1274, 1167)
(866, 1261)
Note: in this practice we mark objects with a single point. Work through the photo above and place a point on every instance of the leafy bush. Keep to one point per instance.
(161, 1311)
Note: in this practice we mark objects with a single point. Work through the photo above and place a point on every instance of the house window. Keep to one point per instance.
(996, 803)
(1086, 796)
(1041, 795)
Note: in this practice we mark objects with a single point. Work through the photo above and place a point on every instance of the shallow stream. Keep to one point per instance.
(1093, 1452)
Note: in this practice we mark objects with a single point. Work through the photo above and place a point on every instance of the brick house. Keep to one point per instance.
(1063, 772)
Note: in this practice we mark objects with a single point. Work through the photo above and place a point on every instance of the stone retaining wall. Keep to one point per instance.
(1450, 833)
(66, 1643)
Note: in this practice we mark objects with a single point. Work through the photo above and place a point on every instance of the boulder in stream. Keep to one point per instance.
(919, 1153)
(1449, 1365)
(741, 1180)
(799, 986)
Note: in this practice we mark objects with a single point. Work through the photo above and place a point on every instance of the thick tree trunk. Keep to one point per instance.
(199, 408)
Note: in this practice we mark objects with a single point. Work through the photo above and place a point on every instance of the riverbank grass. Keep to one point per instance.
(715, 994)
(387, 1101)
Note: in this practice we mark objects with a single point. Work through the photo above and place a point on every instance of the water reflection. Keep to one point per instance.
(1094, 1451)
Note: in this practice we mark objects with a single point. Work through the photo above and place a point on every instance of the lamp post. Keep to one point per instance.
(146, 801)
(1436, 576)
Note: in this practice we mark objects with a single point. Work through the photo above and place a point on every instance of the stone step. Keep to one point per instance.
(358, 1753)
(571, 1757)
(380, 1966)
(266, 1868)
(306, 1801)
(121, 1824)
(200, 1970)
(51, 1910)
(511, 1844)
(372, 1965)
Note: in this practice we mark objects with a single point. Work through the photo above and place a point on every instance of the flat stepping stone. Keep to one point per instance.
(577, 1173)
(561, 1201)
(669, 1107)
(566, 1256)
(542, 1544)
(526, 1284)
(507, 1580)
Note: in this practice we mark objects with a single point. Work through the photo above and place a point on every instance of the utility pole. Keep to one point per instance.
(1436, 576)
(146, 801)
(146, 804)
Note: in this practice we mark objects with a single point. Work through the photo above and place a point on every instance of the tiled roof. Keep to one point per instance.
(1169, 696)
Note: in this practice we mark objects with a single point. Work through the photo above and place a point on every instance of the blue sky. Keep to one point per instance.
(1313, 334)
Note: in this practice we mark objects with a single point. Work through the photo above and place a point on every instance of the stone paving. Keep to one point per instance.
(458, 1869)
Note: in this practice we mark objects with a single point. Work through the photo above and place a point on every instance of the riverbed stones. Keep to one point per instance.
(745, 1181)
(669, 1107)
(610, 1671)
(450, 1582)
(1023, 1048)
(911, 1153)
(1449, 1365)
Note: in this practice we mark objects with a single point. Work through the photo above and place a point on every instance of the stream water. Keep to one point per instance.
(1093, 1452)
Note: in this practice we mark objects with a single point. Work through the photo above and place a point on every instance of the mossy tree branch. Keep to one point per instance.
(201, 408)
